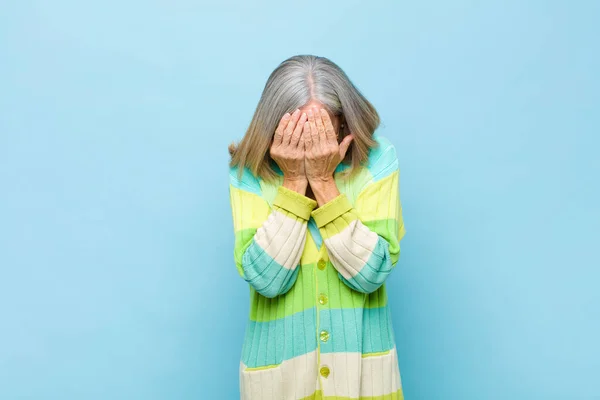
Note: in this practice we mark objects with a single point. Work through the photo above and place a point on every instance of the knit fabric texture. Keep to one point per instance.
(319, 324)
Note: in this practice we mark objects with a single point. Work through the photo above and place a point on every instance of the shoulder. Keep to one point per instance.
(247, 181)
(383, 159)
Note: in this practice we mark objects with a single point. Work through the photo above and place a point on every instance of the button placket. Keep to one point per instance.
(324, 334)
(323, 300)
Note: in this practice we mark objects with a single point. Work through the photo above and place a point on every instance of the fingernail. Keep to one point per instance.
(286, 115)
(310, 113)
(303, 115)
(297, 111)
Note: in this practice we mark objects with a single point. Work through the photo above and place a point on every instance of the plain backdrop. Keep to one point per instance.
(116, 240)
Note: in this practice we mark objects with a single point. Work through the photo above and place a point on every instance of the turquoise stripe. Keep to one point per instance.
(372, 275)
(366, 330)
(382, 159)
(272, 342)
(350, 330)
(314, 231)
(248, 182)
(266, 275)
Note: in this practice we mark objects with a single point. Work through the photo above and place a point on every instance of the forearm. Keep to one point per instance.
(298, 185)
(270, 263)
(359, 253)
(271, 260)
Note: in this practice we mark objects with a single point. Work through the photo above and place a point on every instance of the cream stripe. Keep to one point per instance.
(380, 374)
(352, 375)
(282, 238)
(344, 376)
(292, 379)
(350, 249)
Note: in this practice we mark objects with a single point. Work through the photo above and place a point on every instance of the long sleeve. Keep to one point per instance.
(363, 241)
(268, 241)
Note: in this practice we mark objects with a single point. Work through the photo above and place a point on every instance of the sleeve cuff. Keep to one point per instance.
(294, 202)
(331, 210)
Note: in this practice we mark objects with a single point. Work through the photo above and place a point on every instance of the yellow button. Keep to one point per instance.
(321, 264)
(324, 336)
(324, 372)
(322, 299)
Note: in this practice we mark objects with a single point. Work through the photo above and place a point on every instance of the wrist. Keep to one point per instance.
(318, 183)
(296, 184)
(324, 190)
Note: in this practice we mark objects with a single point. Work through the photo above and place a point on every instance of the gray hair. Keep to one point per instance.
(294, 83)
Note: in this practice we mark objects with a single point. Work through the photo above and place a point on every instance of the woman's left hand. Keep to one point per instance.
(322, 151)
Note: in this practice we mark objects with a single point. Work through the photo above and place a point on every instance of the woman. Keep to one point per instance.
(318, 221)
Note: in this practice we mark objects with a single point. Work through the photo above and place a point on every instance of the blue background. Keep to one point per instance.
(116, 246)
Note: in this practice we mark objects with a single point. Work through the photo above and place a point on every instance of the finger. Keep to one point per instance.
(344, 144)
(307, 137)
(314, 132)
(289, 129)
(320, 127)
(298, 130)
(329, 131)
(279, 131)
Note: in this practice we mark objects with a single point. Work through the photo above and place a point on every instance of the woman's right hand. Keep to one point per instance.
(287, 150)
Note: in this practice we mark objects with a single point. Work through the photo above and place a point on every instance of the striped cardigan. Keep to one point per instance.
(319, 324)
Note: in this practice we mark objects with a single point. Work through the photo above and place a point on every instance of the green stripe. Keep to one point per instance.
(299, 298)
(387, 228)
(303, 295)
(243, 240)
(350, 331)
